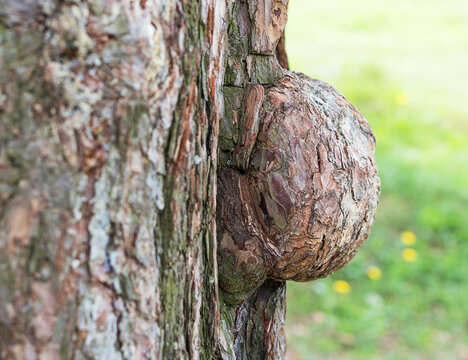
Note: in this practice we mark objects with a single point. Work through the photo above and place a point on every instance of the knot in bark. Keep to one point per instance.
(303, 196)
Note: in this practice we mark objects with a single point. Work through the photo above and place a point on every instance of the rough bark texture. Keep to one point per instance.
(108, 151)
(110, 116)
(300, 196)
(254, 317)
(259, 325)
(297, 182)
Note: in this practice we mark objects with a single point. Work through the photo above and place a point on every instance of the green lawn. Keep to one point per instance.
(404, 64)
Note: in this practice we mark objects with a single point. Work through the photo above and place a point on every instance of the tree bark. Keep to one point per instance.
(108, 158)
(111, 112)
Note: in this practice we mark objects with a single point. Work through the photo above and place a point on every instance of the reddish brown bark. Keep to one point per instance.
(304, 197)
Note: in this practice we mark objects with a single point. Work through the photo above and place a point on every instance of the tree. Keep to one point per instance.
(115, 118)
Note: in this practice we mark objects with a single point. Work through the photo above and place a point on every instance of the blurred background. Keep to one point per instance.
(404, 64)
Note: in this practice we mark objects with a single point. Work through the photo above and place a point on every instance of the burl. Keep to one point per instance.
(299, 195)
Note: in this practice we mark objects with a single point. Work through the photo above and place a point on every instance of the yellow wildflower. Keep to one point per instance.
(408, 238)
(374, 273)
(341, 286)
(401, 98)
(409, 255)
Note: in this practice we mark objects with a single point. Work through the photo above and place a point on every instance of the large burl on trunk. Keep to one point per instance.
(297, 182)
(116, 118)
(300, 193)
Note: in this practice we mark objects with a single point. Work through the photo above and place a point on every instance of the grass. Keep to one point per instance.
(405, 66)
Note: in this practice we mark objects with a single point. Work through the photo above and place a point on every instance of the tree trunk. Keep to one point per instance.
(109, 126)
(111, 112)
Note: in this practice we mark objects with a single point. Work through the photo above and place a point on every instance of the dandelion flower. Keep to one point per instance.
(408, 238)
(374, 273)
(409, 255)
(401, 98)
(341, 287)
